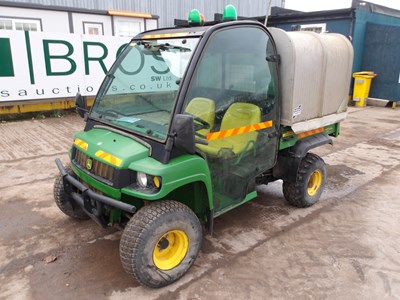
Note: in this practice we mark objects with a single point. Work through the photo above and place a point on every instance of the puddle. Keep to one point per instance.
(339, 175)
(392, 135)
(389, 121)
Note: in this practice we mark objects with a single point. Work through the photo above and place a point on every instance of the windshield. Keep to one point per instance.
(139, 92)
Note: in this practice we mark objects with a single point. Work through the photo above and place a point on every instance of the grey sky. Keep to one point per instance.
(314, 5)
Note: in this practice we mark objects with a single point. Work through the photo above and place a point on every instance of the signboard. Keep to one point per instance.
(37, 65)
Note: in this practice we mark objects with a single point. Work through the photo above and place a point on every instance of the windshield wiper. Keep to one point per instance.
(145, 129)
(152, 104)
(164, 47)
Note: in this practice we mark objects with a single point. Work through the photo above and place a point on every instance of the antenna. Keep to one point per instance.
(266, 15)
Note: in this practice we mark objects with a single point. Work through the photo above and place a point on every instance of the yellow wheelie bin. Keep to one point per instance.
(362, 83)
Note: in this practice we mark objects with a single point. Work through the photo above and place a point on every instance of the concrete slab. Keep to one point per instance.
(345, 246)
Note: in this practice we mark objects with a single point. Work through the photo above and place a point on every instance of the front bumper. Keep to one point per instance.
(91, 202)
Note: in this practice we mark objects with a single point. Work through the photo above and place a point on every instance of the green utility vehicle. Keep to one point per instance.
(188, 121)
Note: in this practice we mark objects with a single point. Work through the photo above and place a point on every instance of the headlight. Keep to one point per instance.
(148, 181)
(141, 179)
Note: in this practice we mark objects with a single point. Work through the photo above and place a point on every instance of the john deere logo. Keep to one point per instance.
(89, 164)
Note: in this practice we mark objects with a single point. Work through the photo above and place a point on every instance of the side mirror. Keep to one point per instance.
(183, 130)
(80, 105)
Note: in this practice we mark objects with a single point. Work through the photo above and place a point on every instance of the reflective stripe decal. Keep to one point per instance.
(239, 130)
(108, 158)
(311, 132)
(81, 144)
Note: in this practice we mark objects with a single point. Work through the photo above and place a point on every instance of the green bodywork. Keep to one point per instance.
(185, 178)
(289, 138)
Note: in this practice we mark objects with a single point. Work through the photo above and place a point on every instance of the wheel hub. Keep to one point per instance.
(314, 183)
(163, 244)
(170, 249)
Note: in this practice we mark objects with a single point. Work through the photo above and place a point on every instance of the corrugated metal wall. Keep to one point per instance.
(381, 55)
(167, 10)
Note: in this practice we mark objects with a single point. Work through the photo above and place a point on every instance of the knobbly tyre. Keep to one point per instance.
(189, 120)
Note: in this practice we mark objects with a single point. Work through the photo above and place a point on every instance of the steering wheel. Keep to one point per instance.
(112, 113)
(205, 124)
(199, 123)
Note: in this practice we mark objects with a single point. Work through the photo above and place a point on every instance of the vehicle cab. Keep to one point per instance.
(192, 108)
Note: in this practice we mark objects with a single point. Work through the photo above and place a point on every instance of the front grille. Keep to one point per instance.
(98, 168)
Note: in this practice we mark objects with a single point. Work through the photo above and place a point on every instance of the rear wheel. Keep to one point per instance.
(310, 182)
(160, 243)
(64, 201)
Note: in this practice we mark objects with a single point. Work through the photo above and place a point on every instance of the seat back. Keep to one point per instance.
(239, 115)
(203, 108)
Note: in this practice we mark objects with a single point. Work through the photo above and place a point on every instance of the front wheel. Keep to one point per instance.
(310, 182)
(160, 243)
(64, 201)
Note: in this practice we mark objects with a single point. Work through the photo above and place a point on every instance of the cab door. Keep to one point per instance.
(234, 90)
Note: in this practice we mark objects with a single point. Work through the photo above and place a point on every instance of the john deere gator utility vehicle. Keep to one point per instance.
(188, 121)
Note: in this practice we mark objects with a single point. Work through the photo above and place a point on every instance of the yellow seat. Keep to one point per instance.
(237, 115)
(203, 108)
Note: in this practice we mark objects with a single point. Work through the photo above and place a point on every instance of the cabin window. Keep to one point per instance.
(6, 24)
(20, 24)
(130, 29)
(318, 28)
(92, 28)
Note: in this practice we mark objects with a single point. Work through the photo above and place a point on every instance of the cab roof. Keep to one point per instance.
(190, 31)
(173, 32)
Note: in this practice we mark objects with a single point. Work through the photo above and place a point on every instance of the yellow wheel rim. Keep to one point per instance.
(170, 249)
(314, 183)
